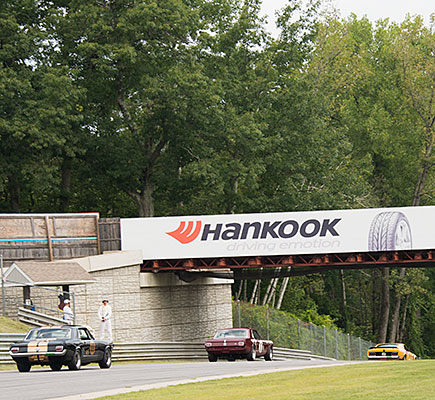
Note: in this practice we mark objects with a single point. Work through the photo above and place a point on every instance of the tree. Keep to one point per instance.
(138, 62)
(226, 159)
(414, 48)
(39, 106)
(381, 84)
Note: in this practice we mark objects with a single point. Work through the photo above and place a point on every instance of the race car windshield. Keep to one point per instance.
(49, 334)
(238, 333)
(386, 346)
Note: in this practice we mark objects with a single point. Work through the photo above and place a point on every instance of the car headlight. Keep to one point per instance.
(15, 349)
(208, 344)
(240, 343)
(59, 348)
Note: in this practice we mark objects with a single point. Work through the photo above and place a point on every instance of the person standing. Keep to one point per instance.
(61, 302)
(68, 315)
(105, 313)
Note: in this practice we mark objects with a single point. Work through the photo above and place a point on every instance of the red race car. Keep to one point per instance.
(235, 343)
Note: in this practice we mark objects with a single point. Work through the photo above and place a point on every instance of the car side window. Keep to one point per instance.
(83, 334)
(90, 335)
(256, 334)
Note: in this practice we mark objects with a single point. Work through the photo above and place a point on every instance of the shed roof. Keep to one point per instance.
(40, 273)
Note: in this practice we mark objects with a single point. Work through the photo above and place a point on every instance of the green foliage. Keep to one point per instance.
(177, 107)
(283, 327)
(427, 331)
(286, 330)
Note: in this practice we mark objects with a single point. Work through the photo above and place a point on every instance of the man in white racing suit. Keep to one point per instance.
(104, 314)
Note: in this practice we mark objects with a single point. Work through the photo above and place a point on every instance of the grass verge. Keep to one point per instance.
(377, 380)
(8, 325)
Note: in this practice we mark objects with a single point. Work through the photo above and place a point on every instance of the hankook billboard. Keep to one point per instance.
(313, 232)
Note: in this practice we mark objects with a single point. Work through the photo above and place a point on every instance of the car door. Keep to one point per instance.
(87, 345)
(259, 344)
(97, 347)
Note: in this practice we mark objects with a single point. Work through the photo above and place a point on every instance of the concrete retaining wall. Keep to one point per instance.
(154, 307)
(167, 311)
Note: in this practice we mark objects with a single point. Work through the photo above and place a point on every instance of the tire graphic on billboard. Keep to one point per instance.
(390, 231)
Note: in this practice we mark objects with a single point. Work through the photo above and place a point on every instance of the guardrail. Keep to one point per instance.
(142, 351)
(37, 319)
(5, 340)
(159, 351)
(280, 353)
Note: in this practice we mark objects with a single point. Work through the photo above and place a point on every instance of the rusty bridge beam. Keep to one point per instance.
(421, 258)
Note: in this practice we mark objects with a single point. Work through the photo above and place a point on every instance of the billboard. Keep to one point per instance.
(311, 232)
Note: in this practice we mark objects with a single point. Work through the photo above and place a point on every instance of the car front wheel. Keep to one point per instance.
(76, 361)
(252, 355)
(106, 362)
(212, 357)
(269, 355)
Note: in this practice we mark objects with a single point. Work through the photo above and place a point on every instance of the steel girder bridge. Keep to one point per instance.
(267, 267)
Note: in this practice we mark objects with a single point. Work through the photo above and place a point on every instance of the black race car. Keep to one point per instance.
(70, 345)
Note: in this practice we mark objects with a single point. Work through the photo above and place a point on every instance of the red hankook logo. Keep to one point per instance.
(186, 234)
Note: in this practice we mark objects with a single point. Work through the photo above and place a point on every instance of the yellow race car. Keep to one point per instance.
(390, 351)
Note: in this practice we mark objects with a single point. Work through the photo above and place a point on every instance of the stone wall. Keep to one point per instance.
(155, 307)
(172, 311)
(184, 313)
(121, 287)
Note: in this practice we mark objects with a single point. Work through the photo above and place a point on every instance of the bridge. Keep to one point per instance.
(170, 277)
(256, 246)
(268, 267)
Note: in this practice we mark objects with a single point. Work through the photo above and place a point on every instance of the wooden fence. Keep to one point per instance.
(110, 234)
(56, 236)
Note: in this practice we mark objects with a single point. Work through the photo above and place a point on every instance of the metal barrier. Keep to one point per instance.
(280, 353)
(189, 351)
(6, 339)
(144, 351)
(14, 306)
(37, 319)
(159, 351)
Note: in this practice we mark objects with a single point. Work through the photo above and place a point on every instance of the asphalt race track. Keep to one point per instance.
(91, 381)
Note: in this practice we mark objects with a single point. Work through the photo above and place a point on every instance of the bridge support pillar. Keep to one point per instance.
(174, 310)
